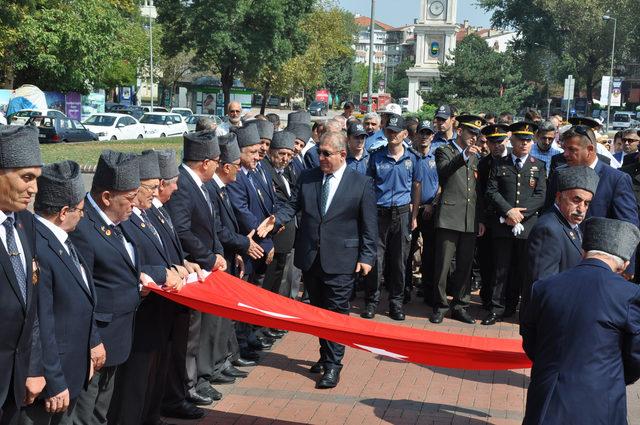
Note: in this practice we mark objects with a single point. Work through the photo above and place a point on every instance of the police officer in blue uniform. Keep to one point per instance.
(430, 191)
(397, 180)
(357, 156)
(444, 123)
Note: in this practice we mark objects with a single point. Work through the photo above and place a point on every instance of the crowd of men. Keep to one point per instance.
(339, 206)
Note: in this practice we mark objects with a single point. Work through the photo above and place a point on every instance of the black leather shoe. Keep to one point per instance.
(267, 339)
(437, 317)
(249, 355)
(317, 367)
(330, 378)
(184, 410)
(462, 316)
(200, 399)
(271, 334)
(235, 373)
(369, 312)
(223, 379)
(260, 345)
(240, 362)
(491, 319)
(210, 392)
(396, 314)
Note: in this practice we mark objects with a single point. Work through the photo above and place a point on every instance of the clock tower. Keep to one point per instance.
(435, 32)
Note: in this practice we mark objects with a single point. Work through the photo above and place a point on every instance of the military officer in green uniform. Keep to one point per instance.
(456, 219)
(516, 190)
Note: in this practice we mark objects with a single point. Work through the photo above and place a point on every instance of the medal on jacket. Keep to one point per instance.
(35, 272)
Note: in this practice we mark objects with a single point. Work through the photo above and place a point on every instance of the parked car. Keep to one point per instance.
(318, 108)
(56, 130)
(193, 120)
(112, 126)
(624, 120)
(160, 124)
(21, 117)
(155, 109)
(135, 111)
(185, 112)
(115, 107)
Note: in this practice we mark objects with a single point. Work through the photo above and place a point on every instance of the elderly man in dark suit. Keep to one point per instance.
(582, 333)
(66, 296)
(614, 197)
(20, 165)
(112, 260)
(336, 239)
(193, 217)
(554, 242)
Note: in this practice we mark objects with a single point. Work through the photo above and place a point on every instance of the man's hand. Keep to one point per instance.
(269, 258)
(98, 356)
(34, 386)
(220, 264)
(194, 268)
(515, 214)
(173, 282)
(427, 212)
(481, 229)
(58, 403)
(254, 251)
(182, 271)
(414, 223)
(472, 150)
(266, 226)
(363, 268)
(240, 266)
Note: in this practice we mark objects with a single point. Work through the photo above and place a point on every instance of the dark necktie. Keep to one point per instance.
(578, 233)
(518, 164)
(262, 175)
(224, 196)
(325, 194)
(74, 257)
(205, 193)
(14, 256)
(147, 222)
(117, 232)
(166, 216)
(253, 183)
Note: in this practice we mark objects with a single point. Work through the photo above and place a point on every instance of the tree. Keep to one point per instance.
(398, 84)
(235, 38)
(360, 81)
(572, 32)
(73, 45)
(479, 79)
(337, 76)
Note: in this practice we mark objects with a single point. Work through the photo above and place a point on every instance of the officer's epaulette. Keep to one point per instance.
(415, 152)
(378, 149)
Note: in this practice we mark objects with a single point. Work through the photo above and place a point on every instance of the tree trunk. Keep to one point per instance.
(9, 77)
(265, 97)
(227, 83)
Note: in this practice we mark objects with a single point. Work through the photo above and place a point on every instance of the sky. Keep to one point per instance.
(402, 12)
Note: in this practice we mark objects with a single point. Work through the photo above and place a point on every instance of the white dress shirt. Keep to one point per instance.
(3, 236)
(62, 237)
(333, 184)
(127, 245)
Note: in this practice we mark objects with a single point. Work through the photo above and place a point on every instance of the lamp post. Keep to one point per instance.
(613, 52)
(370, 85)
(149, 10)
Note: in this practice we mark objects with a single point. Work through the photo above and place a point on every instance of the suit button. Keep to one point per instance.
(518, 183)
(518, 193)
(468, 200)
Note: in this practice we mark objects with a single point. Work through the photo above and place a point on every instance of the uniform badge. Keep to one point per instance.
(408, 164)
(572, 235)
(432, 163)
(35, 272)
(142, 225)
(107, 232)
(532, 183)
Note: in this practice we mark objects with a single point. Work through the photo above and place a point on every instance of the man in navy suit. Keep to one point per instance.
(554, 242)
(582, 333)
(21, 372)
(111, 259)
(66, 296)
(193, 218)
(336, 239)
(614, 197)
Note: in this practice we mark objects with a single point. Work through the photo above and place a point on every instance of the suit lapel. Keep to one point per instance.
(164, 226)
(569, 232)
(137, 222)
(11, 276)
(103, 229)
(185, 175)
(226, 203)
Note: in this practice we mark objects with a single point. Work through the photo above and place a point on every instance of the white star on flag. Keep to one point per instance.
(269, 313)
(381, 352)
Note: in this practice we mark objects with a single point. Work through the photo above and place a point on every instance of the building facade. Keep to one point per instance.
(379, 42)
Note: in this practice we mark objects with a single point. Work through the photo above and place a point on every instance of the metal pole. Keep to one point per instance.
(613, 52)
(370, 87)
(151, 51)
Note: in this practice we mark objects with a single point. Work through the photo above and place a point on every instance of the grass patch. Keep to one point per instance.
(87, 153)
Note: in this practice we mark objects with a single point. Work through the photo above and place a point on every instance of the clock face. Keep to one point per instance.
(436, 8)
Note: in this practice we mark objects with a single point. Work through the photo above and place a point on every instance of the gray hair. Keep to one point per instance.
(333, 126)
(619, 261)
(371, 116)
(205, 123)
(336, 139)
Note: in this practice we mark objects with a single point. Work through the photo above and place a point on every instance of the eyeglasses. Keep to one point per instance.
(583, 130)
(79, 210)
(326, 153)
(150, 188)
(630, 140)
(233, 111)
(231, 163)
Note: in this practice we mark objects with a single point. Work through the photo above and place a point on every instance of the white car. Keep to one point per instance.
(185, 112)
(22, 116)
(112, 126)
(155, 109)
(160, 124)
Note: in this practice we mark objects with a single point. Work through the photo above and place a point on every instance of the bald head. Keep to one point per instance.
(333, 126)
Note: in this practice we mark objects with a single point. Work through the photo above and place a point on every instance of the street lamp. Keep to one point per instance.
(613, 52)
(149, 10)
(371, 34)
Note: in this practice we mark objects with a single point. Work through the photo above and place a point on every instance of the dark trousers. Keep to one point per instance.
(9, 413)
(275, 272)
(193, 348)
(331, 292)
(246, 333)
(426, 229)
(450, 243)
(175, 360)
(485, 256)
(35, 414)
(215, 333)
(394, 237)
(511, 264)
(93, 403)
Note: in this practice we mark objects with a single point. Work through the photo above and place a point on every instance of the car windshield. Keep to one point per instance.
(28, 113)
(621, 118)
(316, 104)
(183, 113)
(153, 119)
(101, 120)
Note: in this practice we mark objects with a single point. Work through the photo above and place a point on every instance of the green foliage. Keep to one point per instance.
(360, 81)
(426, 112)
(474, 80)
(398, 82)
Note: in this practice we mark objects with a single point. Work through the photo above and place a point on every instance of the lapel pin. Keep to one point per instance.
(107, 232)
(142, 225)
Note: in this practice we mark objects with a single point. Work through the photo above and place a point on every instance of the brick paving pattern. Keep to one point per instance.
(377, 390)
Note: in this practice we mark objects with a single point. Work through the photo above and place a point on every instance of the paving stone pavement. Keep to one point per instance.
(377, 390)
